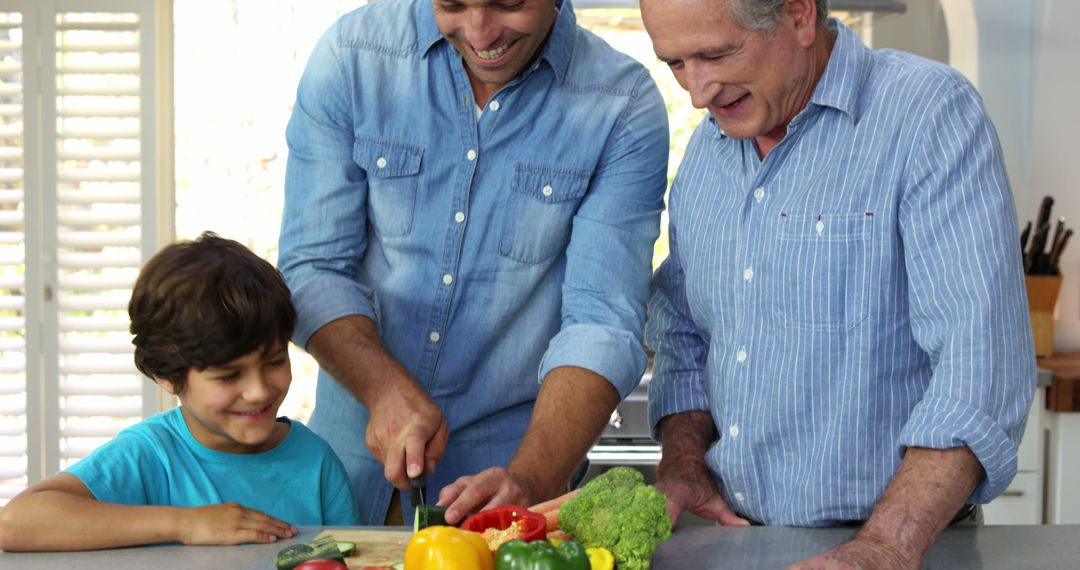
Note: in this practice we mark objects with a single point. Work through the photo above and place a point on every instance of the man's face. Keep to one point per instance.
(233, 407)
(753, 84)
(496, 38)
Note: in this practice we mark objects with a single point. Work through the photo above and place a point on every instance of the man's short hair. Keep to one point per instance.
(762, 15)
(205, 303)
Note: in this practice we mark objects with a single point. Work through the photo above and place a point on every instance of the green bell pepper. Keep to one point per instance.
(541, 555)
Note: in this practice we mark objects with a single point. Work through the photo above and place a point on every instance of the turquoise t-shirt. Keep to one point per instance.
(159, 462)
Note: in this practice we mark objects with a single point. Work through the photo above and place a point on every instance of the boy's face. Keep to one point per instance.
(233, 407)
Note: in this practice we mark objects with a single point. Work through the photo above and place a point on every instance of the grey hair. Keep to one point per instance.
(762, 15)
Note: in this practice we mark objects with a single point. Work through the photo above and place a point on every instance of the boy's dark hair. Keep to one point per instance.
(204, 303)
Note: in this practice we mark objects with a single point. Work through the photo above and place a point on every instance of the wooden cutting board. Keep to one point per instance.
(373, 547)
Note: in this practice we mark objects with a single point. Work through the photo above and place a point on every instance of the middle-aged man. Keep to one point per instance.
(841, 329)
(472, 195)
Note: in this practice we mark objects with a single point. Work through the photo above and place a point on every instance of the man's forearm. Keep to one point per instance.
(927, 491)
(571, 411)
(350, 350)
(684, 440)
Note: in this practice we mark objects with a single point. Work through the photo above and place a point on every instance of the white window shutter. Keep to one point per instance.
(82, 81)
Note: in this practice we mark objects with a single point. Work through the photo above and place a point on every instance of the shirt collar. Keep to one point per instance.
(849, 65)
(557, 50)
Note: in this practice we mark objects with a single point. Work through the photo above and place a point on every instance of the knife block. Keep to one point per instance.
(1042, 292)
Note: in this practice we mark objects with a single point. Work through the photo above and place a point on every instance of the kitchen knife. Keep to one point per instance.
(417, 489)
(1055, 255)
(1033, 261)
(1024, 235)
(1044, 211)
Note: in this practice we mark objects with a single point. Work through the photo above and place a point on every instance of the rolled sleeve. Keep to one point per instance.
(680, 368)
(323, 231)
(968, 302)
(326, 298)
(945, 424)
(609, 258)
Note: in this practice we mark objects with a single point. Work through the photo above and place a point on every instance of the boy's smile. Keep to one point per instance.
(232, 407)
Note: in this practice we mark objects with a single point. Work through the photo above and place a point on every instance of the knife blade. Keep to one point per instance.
(417, 490)
(1024, 235)
(1055, 255)
(1033, 260)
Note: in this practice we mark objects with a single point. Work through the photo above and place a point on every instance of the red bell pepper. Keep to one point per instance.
(529, 526)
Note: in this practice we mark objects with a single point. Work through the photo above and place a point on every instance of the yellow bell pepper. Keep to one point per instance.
(447, 548)
(600, 558)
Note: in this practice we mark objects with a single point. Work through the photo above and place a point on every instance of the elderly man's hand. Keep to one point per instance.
(697, 494)
(862, 553)
(488, 489)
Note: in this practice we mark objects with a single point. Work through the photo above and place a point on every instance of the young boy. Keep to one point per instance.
(211, 322)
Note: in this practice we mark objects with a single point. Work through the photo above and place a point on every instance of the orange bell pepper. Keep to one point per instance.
(447, 548)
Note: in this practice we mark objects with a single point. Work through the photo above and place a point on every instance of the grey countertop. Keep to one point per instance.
(1043, 378)
(989, 547)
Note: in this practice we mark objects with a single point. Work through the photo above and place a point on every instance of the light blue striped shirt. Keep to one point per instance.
(856, 293)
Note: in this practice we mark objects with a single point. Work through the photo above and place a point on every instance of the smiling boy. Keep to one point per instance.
(211, 323)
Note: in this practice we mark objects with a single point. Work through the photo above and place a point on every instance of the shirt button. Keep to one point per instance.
(471, 155)
(434, 336)
(447, 279)
(759, 194)
(459, 217)
(820, 227)
(734, 431)
(494, 105)
(547, 190)
(741, 355)
(739, 497)
(381, 162)
(748, 274)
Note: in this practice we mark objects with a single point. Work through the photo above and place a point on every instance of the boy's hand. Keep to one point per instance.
(230, 523)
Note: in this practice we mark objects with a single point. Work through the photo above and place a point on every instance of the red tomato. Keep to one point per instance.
(321, 565)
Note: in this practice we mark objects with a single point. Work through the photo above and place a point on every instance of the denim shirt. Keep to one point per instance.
(857, 292)
(488, 251)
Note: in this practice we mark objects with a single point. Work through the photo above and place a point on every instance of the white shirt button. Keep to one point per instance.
(741, 355)
(494, 105)
(434, 336)
(820, 226)
(748, 274)
(739, 497)
(471, 155)
(734, 431)
(759, 194)
(547, 190)
(381, 162)
(447, 279)
(459, 217)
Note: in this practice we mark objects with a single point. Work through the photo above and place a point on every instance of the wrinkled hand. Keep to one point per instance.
(488, 489)
(693, 491)
(406, 432)
(230, 523)
(860, 554)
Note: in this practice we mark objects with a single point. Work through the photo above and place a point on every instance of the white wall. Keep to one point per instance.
(1053, 163)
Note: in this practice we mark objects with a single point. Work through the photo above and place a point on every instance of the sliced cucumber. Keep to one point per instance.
(429, 515)
(347, 548)
(322, 549)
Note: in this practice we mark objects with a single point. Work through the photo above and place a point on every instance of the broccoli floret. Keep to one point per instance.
(618, 511)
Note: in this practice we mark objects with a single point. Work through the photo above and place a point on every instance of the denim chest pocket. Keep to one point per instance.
(540, 211)
(393, 171)
(823, 271)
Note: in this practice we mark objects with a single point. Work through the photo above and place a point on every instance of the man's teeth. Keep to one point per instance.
(492, 54)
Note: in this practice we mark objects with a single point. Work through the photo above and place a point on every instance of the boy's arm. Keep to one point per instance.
(60, 513)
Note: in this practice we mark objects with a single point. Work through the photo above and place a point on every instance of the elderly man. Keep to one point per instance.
(472, 195)
(841, 329)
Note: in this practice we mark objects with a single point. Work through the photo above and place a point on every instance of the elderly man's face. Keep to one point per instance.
(752, 83)
(496, 38)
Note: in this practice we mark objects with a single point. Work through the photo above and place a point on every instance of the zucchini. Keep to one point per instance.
(346, 548)
(429, 515)
(322, 549)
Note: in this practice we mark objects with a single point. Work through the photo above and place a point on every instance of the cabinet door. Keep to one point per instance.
(1021, 503)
